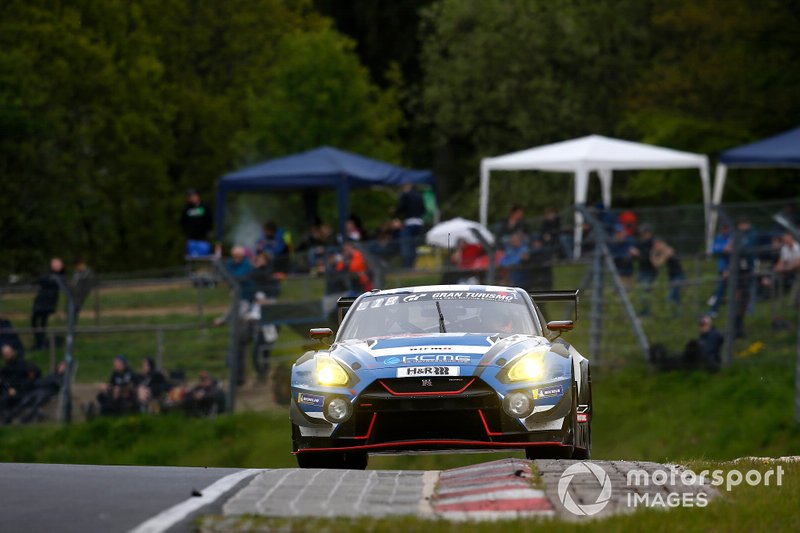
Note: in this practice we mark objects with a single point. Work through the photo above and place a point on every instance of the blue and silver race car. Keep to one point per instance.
(442, 368)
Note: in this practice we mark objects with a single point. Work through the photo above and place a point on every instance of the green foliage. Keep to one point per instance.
(109, 110)
(506, 75)
(319, 94)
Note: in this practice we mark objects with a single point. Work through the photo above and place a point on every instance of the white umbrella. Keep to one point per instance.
(449, 232)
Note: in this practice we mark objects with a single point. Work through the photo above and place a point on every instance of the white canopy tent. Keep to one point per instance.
(593, 153)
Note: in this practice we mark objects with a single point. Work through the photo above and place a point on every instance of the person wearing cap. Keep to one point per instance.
(196, 222)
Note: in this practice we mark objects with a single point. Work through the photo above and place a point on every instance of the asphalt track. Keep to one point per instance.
(37, 497)
(67, 498)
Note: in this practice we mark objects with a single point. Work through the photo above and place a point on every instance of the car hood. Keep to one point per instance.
(460, 349)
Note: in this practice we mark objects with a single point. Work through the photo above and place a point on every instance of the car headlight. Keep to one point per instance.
(529, 367)
(330, 373)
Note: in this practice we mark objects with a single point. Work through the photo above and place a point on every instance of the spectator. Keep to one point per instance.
(705, 350)
(516, 258)
(551, 230)
(242, 271)
(82, 284)
(353, 229)
(274, 241)
(748, 239)
(46, 302)
(205, 399)
(409, 215)
(621, 248)
(14, 380)
(515, 223)
(664, 254)
(352, 261)
(196, 222)
(152, 385)
(647, 271)
(721, 249)
(628, 220)
(465, 259)
(789, 262)
(240, 268)
(384, 247)
(42, 391)
(117, 396)
(263, 276)
(318, 241)
(702, 352)
(541, 265)
(8, 335)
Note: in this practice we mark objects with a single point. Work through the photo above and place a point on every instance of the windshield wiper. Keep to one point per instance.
(441, 318)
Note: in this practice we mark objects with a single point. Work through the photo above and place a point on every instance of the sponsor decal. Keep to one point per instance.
(310, 399)
(363, 305)
(427, 383)
(377, 302)
(427, 359)
(414, 297)
(415, 371)
(490, 296)
(391, 301)
(548, 392)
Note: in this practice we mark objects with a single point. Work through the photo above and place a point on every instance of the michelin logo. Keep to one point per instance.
(427, 359)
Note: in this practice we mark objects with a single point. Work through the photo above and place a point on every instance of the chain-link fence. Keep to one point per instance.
(174, 317)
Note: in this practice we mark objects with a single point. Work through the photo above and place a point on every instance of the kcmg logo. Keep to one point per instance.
(587, 509)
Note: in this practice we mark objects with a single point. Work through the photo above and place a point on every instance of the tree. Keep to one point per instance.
(722, 75)
(319, 94)
(504, 75)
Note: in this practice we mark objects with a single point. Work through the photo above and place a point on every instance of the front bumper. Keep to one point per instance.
(467, 417)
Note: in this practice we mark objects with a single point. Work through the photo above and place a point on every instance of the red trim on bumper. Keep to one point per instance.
(447, 393)
(433, 442)
(486, 426)
(369, 430)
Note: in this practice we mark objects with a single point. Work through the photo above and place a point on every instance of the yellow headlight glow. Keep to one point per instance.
(528, 367)
(331, 373)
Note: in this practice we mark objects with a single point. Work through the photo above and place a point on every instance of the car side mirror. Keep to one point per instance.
(321, 333)
(560, 325)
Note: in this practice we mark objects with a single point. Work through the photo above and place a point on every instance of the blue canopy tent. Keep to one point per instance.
(321, 168)
(780, 151)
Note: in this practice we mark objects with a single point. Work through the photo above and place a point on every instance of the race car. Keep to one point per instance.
(442, 368)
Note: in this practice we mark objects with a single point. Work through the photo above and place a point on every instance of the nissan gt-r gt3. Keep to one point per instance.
(440, 368)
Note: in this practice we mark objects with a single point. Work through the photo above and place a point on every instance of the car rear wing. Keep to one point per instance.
(342, 305)
(558, 296)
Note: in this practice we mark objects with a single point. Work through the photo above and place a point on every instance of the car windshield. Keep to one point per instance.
(487, 312)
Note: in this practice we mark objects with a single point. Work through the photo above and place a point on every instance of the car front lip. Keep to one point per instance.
(441, 444)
